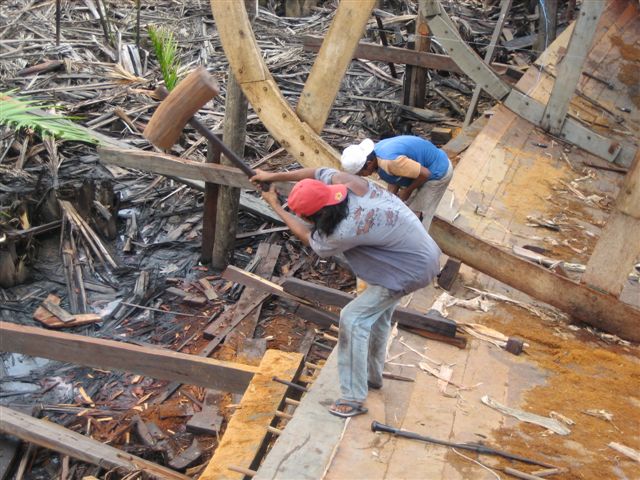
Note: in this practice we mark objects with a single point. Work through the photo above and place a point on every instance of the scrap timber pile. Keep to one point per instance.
(113, 253)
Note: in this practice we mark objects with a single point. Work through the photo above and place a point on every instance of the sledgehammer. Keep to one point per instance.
(179, 107)
(474, 447)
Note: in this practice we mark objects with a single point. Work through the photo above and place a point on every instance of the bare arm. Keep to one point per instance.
(297, 226)
(292, 176)
(405, 193)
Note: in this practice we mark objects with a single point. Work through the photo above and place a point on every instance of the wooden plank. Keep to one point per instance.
(330, 296)
(108, 354)
(245, 437)
(372, 51)
(62, 440)
(44, 316)
(570, 68)
(171, 166)
(581, 302)
(304, 449)
(323, 82)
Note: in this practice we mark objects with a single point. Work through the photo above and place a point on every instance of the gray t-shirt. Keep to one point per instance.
(382, 239)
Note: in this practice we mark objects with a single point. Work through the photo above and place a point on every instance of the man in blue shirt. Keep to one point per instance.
(415, 169)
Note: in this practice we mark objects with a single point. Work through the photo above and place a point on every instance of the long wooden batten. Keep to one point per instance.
(109, 354)
(580, 301)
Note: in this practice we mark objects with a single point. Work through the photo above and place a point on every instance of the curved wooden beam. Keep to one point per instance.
(247, 64)
(331, 64)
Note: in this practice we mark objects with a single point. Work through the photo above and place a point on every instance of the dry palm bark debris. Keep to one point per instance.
(124, 245)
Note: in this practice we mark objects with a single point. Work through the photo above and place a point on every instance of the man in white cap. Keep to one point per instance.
(415, 169)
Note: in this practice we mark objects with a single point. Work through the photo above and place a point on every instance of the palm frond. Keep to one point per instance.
(21, 113)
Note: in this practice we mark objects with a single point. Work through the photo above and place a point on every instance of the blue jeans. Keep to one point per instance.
(365, 323)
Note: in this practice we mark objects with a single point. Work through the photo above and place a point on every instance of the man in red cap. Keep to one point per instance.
(385, 245)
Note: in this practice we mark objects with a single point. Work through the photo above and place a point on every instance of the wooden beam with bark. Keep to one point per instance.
(583, 303)
(67, 442)
(158, 363)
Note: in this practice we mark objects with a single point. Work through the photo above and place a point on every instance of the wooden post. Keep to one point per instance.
(547, 24)
(416, 77)
(234, 132)
(495, 38)
(210, 213)
(570, 69)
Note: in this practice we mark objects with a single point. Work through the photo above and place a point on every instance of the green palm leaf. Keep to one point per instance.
(21, 113)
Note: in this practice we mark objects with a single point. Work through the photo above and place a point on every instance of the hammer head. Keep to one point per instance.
(166, 124)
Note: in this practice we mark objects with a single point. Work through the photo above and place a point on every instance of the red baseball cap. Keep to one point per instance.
(308, 196)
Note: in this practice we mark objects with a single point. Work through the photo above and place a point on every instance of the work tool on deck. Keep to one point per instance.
(178, 108)
(474, 447)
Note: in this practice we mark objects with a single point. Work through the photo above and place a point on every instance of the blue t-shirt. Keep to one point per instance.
(416, 148)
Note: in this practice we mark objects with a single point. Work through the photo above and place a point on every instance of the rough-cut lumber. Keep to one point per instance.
(244, 439)
(108, 354)
(171, 166)
(323, 82)
(44, 316)
(330, 296)
(570, 68)
(581, 302)
(248, 65)
(55, 437)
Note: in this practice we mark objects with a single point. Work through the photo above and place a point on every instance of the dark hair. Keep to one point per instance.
(371, 157)
(327, 218)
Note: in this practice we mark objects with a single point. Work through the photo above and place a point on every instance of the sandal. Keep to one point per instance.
(355, 408)
(375, 386)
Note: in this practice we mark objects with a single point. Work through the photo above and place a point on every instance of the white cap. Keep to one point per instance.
(355, 156)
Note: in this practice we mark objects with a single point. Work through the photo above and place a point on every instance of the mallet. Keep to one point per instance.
(178, 108)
